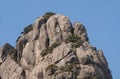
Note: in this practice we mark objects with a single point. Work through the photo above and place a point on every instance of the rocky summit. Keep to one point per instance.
(53, 48)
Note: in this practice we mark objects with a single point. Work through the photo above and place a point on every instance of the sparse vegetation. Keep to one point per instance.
(77, 44)
(72, 38)
(27, 29)
(87, 76)
(67, 67)
(18, 39)
(51, 66)
(76, 41)
(55, 70)
(48, 15)
(54, 45)
(49, 50)
(13, 54)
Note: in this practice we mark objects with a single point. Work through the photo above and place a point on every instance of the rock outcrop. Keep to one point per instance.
(53, 49)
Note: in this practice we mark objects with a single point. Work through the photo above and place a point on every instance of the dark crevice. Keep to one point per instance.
(23, 74)
(63, 57)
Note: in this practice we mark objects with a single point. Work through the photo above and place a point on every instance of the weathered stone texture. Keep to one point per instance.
(44, 53)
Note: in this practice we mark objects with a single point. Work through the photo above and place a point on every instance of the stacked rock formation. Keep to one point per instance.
(53, 49)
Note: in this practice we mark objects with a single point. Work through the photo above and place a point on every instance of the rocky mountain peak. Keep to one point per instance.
(53, 48)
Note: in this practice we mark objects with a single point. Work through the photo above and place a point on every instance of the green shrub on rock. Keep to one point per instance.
(51, 66)
(72, 38)
(77, 44)
(66, 68)
(13, 55)
(18, 39)
(49, 50)
(87, 76)
(27, 29)
(48, 15)
(51, 69)
(75, 40)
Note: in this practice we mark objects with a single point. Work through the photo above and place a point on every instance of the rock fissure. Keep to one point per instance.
(63, 57)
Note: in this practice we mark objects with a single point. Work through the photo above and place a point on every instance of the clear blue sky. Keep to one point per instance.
(101, 18)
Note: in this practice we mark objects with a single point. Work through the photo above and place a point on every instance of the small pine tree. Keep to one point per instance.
(47, 15)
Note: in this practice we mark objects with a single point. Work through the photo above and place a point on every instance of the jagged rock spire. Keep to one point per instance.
(53, 48)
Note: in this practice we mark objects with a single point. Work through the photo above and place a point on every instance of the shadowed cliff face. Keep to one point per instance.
(53, 48)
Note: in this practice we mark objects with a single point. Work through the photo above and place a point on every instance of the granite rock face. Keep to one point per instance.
(53, 49)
